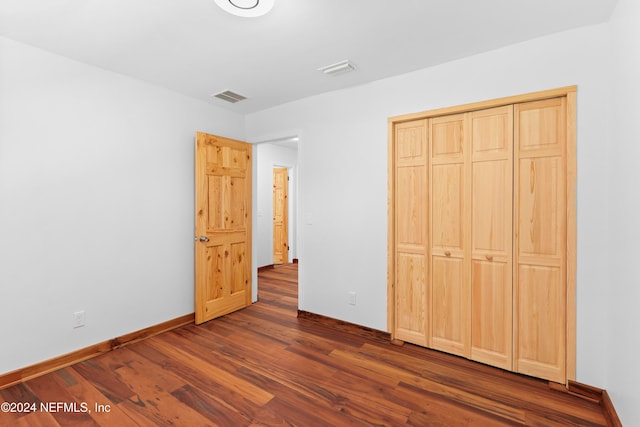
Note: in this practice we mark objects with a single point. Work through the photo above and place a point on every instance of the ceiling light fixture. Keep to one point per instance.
(338, 68)
(246, 8)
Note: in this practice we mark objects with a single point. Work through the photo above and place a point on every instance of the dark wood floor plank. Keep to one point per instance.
(216, 375)
(98, 372)
(34, 419)
(103, 411)
(195, 378)
(288, 375)
(19, 393)
(209, 407)
(265, 366)
(431, 409)
(526, 393)
(61, 404)
(154, 402)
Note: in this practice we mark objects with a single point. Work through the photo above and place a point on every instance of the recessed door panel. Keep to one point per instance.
(542, 125)
(540, 190)
(410, 141)
(411, 206)
(447, 135)
(491, 207)
(491, 132)
(449, 308)
(491, 317)
(447, 207)
(541, 322)
(411, 298)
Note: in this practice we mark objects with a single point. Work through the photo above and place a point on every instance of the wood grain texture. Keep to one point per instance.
(280, 216)
(223, 170)
(491, 140)
(517, 261)
(411, 221)
(266, 365)
(572, 234)
(449, 235)
(481, 105)
(38, 369)
(540, 249)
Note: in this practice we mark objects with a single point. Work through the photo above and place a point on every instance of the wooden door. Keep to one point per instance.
(491, 201)
(222, 226)
(280, 216)
(540, 265)
(410, 226)
(497, 277)
(450, 216)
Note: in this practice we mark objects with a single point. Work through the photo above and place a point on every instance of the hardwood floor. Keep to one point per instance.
(264, 366)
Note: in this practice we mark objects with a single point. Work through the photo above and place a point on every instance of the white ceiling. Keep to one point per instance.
(193, 47)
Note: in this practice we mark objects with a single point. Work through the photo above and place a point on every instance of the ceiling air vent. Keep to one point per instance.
(229, 96)
(338, 68)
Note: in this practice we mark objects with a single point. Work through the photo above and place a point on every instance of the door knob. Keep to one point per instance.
(204, 239)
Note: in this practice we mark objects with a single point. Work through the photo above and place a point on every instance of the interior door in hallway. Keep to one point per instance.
(222, 226)
(280, 216)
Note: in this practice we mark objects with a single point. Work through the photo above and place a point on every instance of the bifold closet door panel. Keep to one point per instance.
(411, 226)
(540, 239)
(449, 234)
(492, 236)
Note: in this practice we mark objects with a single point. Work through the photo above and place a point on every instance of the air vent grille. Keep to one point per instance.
(338, 68)
(230, 96)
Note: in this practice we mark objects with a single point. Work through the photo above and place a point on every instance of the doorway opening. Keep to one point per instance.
(276, 233)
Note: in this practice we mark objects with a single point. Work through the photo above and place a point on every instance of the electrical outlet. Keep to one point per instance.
(352, 298)
(79, 319)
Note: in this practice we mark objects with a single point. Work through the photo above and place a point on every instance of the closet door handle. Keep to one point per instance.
(489, 257)
(447, 253)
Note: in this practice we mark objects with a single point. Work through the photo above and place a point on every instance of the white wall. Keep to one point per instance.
(343, 173)
(623, 250)
(96, 202)
(270, 156)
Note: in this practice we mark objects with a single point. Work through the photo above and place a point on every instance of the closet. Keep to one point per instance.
(482, 232)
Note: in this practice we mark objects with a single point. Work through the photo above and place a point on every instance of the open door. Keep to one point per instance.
(280, 216)
(222, 226)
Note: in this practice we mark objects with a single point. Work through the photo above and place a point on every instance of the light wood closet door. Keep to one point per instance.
(491, 133)
(410, 228)
(540, 239)
(482, 226)
(449, 235)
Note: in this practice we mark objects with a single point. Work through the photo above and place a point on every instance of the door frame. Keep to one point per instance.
(571, 243)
